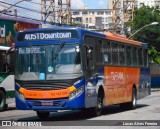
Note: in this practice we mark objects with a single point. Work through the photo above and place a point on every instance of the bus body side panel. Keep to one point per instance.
(119, 82)
(7, 82)
(92, 87)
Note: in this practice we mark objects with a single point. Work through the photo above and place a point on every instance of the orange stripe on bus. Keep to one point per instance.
(46, 94)
(123, 40)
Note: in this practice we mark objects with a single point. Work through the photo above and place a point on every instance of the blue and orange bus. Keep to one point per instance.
(74, 69)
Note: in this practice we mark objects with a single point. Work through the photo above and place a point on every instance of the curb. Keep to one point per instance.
(155, 90)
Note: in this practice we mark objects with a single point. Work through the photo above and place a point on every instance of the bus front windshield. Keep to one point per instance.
(50, 62)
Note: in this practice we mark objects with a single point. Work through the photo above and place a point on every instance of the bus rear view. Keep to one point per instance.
(48, 71)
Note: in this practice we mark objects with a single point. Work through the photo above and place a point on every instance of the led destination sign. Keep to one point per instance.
(47, 35)
(43, 36)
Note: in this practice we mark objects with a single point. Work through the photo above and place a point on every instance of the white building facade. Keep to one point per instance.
(151, 3)
(93, 19)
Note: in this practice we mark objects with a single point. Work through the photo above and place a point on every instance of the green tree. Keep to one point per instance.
(150, 34)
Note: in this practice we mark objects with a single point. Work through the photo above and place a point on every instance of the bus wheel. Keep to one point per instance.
(43, 115)
(98, 109)
(2, 100)
(133, 103)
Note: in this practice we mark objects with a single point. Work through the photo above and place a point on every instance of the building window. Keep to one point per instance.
(86, 20)
(90, 20)
(86, 25)
(100, 13)
(85, 13)
(106, 19)
(102, 19)
(78, 19)
(75, 13)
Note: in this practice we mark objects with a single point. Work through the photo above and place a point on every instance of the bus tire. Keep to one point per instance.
(43, 115)
(97, 111)
(2, 100)
(132, 105)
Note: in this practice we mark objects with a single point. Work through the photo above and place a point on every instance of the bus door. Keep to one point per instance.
(10, 61)
(89, 58)
(89, 71)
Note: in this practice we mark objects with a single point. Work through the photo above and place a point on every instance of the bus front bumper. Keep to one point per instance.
(51, 105)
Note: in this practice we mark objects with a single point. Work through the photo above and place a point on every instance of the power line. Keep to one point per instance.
(20, 7)
(43, 4)
(23, 17)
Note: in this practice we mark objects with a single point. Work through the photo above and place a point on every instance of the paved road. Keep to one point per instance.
(148, 108)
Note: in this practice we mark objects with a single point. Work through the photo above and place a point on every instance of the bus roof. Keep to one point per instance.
(4, 48)
(83, 32)
(121, 38)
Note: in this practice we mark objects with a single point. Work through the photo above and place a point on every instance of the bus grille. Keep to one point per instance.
(46, 85)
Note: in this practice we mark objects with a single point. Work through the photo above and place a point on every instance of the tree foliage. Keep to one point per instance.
(149, 34)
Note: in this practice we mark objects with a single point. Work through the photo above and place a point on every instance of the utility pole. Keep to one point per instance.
(60, 13)
(47, 11)
(64, 14)
(123, 11)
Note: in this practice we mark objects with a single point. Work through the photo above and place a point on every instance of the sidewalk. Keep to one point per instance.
(155, 89)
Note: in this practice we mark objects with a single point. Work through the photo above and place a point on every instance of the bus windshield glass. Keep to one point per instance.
(50, 62)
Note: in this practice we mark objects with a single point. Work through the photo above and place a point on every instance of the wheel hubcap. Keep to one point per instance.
(134, 100)
(99, 105)
(1, 99)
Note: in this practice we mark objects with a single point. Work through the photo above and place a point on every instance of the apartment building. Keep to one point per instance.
(151, 3)
(93, 19)
(139, 3)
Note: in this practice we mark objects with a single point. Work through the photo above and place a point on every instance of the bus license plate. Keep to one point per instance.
(46, 104)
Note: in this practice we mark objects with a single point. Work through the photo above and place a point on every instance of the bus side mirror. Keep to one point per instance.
(89, 58)
(89, 54)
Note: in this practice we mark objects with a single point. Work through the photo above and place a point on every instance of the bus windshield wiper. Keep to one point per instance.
(58, 50)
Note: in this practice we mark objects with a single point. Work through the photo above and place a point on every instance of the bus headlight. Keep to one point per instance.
(80, 90)
(20, 95)
(76, 92)
(72, 95)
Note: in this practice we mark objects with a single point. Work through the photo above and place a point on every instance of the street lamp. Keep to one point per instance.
(6, 10)
(153, 23)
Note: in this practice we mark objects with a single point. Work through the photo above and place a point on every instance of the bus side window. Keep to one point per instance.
(134, 53)
(11, 60)
(140, 57)
(98, 52)
(122, 55)
(145, 57)
(114, 52)
(128, 55)
(106, 52)
(3, 61)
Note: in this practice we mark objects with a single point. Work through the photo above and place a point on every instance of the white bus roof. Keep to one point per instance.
(4, 48)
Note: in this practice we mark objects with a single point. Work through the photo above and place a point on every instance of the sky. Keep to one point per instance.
(95, 4)
(75, 4)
